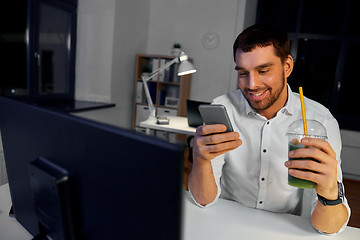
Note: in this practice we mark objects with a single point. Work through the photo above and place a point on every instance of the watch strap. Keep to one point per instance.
(339, 200)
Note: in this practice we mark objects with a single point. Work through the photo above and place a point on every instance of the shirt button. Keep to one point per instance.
(264, 150)
(262, 179)
(261, 202)
(267, 123)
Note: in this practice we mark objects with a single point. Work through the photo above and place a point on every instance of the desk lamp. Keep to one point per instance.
(185, 68)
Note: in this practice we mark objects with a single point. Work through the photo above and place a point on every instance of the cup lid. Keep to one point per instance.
(315, 129)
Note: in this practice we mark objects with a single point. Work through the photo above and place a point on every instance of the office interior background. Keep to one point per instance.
(111, 32)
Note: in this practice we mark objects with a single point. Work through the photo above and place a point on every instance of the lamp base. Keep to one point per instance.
(162, 120)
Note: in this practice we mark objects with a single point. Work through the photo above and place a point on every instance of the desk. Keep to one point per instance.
(176, 125)
(232, 221)
(225, 220)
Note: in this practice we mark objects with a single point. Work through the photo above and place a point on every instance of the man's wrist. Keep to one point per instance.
(330, 192)
(333, 201)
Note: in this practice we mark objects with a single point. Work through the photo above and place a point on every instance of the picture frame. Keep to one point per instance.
(171, 102)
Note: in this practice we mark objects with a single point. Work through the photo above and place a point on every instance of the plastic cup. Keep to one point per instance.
(295, 133)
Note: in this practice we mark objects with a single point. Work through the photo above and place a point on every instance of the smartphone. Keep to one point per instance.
(215, 114)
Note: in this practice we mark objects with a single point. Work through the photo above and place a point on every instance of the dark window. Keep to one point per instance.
(316, 72)
(13, 48)
(54, 43)
(322, 17)
(325, 45)
(350, 83)
(37, 45)
(354, 19)
(272, 12)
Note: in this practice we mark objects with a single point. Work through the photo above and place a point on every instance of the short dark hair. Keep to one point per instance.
(262, 35)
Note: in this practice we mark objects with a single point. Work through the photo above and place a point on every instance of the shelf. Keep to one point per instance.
(170, 83)
(166, 89)
(165, 83)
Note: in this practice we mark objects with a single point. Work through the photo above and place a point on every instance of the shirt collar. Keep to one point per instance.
(288, 109)
(248, 109)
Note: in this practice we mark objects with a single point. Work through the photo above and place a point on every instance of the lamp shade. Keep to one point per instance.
(185, 68)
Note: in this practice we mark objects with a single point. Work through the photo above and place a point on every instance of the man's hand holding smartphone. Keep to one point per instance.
(210, 141)
(216, 137)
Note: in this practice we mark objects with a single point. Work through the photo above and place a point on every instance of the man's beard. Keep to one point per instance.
(264, 104)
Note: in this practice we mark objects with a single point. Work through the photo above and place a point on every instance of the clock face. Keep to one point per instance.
(210, 40)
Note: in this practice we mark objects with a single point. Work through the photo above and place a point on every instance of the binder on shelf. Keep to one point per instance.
(140, 92)
(155, 65)
(162, 97)
(152, 91)
(175, 77)
(168, 72)
(162, 73)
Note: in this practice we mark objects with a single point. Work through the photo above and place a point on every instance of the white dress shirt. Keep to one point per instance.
(254, 174)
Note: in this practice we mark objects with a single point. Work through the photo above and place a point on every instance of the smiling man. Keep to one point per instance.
(250, 165)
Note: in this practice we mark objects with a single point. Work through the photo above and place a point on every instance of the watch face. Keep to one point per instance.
(341, 190)
(210, 40)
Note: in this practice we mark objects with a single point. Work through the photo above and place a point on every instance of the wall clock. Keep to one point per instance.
(210, 40)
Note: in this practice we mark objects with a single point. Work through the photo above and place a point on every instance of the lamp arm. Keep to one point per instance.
(148, 98)
(161, 68)
(145, 79)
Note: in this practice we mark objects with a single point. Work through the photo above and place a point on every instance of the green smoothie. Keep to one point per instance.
(297, 182)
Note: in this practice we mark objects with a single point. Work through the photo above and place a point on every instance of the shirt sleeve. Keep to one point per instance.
(334, 139)
(217, 164)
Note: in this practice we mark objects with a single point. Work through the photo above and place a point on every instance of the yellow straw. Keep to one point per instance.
(303, 111)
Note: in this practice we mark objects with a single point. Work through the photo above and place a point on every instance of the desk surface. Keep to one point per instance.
(232, 221)
(176, 125)
(225, 220)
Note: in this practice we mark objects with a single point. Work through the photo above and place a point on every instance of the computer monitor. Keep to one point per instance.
(193, 115)
(79, 179)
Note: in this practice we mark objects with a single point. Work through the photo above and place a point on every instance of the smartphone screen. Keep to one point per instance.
(215, 114)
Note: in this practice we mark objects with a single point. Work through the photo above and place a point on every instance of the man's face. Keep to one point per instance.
(262, 79)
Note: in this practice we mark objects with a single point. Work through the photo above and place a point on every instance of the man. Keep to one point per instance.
(253, 170)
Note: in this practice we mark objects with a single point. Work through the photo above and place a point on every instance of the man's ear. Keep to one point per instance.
(288, 66)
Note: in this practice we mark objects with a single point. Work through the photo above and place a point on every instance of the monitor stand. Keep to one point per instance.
(51, 194)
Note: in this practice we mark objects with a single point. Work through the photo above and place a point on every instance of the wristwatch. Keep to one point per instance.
(340, 199)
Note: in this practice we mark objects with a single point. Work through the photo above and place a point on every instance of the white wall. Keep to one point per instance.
(131, 34)
(94, 51)
(110, 34)
(186, 22)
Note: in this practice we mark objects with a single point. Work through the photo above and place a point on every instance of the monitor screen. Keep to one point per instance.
(79, 179)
